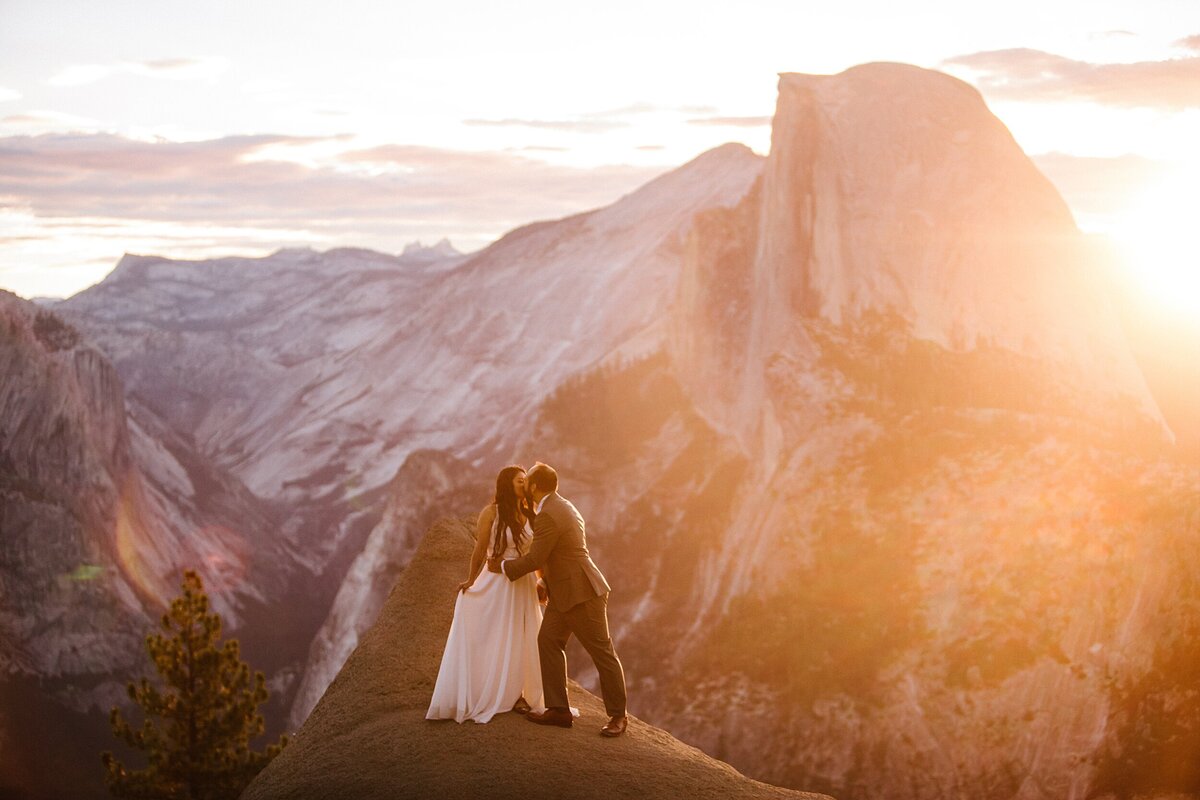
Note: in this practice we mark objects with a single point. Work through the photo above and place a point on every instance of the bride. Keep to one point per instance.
(490, 663)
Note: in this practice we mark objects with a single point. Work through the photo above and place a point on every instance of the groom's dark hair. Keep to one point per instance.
(543, 478)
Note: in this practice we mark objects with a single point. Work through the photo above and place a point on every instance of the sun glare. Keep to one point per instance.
(1159, 240)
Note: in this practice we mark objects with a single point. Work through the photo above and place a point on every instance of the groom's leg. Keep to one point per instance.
(589, 623)
(552, 642)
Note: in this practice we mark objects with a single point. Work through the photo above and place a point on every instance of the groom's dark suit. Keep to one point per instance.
(578, 603)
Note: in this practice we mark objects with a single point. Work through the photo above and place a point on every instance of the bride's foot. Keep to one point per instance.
(521, 706)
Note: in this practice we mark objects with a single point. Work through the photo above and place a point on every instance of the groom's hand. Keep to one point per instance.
(494, 565)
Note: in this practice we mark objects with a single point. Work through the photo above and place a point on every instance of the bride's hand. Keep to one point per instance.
(462, 587)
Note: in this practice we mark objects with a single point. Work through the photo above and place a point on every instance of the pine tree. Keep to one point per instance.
(197, 728)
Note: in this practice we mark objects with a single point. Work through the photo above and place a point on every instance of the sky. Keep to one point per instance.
(196, 130)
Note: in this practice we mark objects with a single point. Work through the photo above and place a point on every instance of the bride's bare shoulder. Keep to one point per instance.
(488, 513)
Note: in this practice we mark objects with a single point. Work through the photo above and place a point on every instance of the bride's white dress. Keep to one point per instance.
(491, 655)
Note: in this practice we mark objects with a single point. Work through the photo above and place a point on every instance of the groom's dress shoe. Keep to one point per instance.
(616, 726)
(552, 716)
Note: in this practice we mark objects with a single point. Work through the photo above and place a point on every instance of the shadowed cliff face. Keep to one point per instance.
(101, 507)
(368, 736)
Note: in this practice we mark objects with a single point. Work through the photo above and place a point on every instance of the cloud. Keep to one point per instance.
(248, 181)
(1189, 42)
(650, 108)
(262, 85)
(1025, 74)
(46, 119)
(172, 68)
(80, 74)
(738, 122)
(171, 64)
(600, 121)
(540, 148)
(624, 111)
(1100, 187)
(571, 125)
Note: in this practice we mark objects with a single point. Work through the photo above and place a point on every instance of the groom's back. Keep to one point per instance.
(571, 575)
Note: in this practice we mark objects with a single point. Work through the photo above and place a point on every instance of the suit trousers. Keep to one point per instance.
(588, 621)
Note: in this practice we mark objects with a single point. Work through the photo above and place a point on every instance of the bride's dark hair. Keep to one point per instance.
(507, 504)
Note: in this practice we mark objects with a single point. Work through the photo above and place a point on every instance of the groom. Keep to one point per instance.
(578, 603)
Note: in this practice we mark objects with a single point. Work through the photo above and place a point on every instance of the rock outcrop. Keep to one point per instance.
(893, 192)
(368, 737)
(429, 483)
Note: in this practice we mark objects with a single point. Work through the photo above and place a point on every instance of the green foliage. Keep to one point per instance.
(199, 722)
(888, 364)
(53, 333)
(834, 625)
(892, 371)
(612, 409)
(1157, 722)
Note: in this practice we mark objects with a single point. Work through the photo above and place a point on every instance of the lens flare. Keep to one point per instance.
(225, 564)
(85, 572)
(1160, 241)
(134, 547)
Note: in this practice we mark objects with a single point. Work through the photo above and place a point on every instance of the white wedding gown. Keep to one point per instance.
(491, 655)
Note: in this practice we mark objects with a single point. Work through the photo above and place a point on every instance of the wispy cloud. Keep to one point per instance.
(625, 111)
(265, 85)
(736, 122)
(539, 148)
(1189, 42)
(1100, 187)
(250, 181)
(650, 108)
(1025, 74)
(600, 121)
(42, 119)
(571, 125)
(170, 68)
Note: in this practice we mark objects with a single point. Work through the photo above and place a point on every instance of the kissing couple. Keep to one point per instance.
(503, 651)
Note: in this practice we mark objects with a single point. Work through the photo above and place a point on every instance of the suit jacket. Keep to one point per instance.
(559, 548)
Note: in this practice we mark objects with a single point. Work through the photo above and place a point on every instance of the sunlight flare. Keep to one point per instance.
(1159, 240)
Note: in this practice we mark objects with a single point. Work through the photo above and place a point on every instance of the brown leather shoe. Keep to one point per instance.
(552, 716)
(616, 726)
(521, 706)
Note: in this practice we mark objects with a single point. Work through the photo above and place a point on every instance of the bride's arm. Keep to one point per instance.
(482, 528)
(545, 535)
